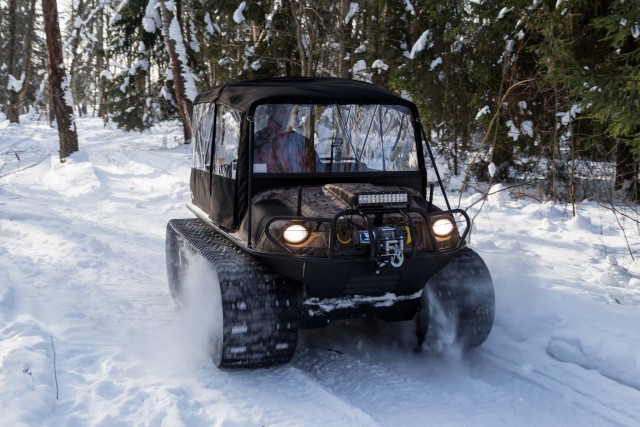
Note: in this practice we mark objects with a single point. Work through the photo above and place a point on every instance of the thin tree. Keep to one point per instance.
(100, 67)
(343, 69)
(79, 64)
(12, 113)
(23, 75)
(184, 105)
(63, 112)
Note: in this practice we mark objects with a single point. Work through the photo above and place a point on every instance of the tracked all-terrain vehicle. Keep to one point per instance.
(314, 202)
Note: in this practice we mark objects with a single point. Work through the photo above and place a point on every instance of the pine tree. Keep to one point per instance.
(600, 69)
(614, 87)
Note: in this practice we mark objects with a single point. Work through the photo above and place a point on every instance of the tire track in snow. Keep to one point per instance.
(286, 396)
(391, 395)
(588, 390)
(480, 390)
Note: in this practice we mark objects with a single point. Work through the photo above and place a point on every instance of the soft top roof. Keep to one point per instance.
(245, 95)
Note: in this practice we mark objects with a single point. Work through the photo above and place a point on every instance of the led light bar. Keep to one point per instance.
(381, 199)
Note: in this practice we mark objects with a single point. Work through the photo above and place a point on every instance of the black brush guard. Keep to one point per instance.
(365, 214)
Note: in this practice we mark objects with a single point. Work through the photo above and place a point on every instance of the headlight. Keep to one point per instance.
(443, 227)
(295, 234)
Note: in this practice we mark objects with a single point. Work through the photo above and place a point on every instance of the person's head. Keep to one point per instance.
(281, 117)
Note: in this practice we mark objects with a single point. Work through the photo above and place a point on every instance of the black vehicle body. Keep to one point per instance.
(368, 220)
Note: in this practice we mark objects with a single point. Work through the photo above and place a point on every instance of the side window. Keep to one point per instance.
(203, 116)
(226, 141)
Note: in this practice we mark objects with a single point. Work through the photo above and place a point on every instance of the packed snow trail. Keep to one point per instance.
(82, 281)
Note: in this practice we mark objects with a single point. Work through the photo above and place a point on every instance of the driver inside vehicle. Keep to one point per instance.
(277, 147)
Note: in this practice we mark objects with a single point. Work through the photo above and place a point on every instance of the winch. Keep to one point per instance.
(388, 243)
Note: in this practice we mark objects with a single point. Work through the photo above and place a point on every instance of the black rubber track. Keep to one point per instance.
(260, 309)
(463, 302)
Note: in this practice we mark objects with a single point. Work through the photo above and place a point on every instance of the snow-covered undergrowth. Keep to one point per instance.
(584, 256)
(89, 334)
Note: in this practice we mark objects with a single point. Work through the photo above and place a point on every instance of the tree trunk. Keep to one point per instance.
(100, 66)
(343, 70)
(626, 170)
(62, 111)
(77, 61)
(184, 105)
(298, 16)
(28, 61)
(13, 114)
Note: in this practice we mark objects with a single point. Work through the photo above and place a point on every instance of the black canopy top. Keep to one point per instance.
(245, 95)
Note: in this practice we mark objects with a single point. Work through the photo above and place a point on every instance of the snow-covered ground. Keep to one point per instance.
(89, 335)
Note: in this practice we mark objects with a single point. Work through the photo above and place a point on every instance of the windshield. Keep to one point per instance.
(304, 138)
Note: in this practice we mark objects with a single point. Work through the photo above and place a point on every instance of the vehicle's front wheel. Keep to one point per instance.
(458, 304)
(253, 313)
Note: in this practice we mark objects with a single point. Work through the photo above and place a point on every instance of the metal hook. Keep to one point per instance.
(397, 259)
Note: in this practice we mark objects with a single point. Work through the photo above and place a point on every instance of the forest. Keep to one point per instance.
(542, 95)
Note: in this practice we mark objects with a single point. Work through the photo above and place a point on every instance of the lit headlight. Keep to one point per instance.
(295, 234)
(443, 227)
